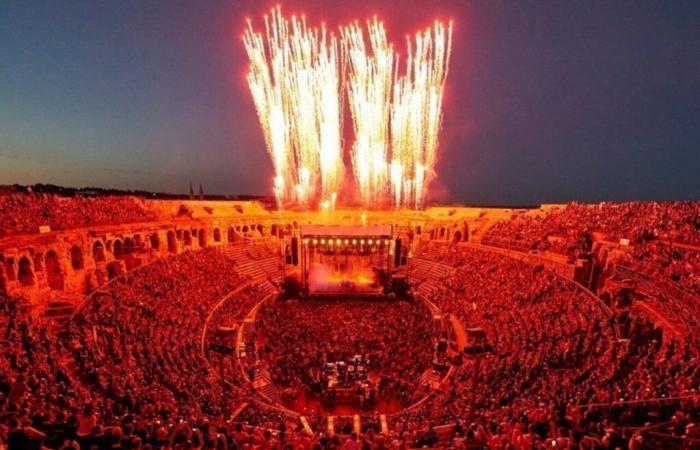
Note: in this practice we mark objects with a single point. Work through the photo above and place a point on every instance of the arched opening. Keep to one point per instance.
(202, 238)
(217, 235)
(457, 237)
(25, 272)
(465, 232)
(54, 277)
(76, 258)
(178, 233)
(10, 269)
(138, 242)
(442, 233)
(231, 235)
(128, 246)
(172, 243)
(155, 242)
(3, 281)
(273, 229)
(98, 251)
(117, 249)
(245, 228)
(260, 229)
(419, 229)
(114, 269)
(188, 238)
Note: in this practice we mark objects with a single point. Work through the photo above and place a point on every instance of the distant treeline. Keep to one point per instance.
(98, 192)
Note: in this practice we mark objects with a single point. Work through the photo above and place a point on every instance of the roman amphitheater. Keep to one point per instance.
(142, 323)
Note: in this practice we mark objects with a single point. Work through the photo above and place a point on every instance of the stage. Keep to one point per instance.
(346, 260)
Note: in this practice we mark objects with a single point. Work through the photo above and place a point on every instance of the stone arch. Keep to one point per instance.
(202, 236)
(25, 272)
(128, 246)
(54, 277)
(155, 241)
(217, 235)
(245, 228)
(188, 238)
(10, 269)
(138, 241)
(465, 231)
(172, 242)
(98, 251)
(114, 269)
(230, 235)
(3, 280)
(260, 229)
(178, 234)
(76, 258)
(273, 229)
(118, 249)
(457, 237)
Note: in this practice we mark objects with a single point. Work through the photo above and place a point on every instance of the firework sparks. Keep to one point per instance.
(296, 78)
(369, 95)
(416, 115)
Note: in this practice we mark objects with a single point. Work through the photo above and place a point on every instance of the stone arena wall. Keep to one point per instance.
(66, 265)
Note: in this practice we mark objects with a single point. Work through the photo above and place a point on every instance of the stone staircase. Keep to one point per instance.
(59, 311)
(430, 378)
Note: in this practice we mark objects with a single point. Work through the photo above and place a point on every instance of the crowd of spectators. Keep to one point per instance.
(663, 241)
(680, 265)
(299, 337)
(129, 372)
(570, 230)
(554, 352)
(24, 213)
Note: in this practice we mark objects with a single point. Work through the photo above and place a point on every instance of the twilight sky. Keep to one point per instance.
(546, 101)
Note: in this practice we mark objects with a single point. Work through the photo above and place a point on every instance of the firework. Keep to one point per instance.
(297, 81)
(416, 115)
(400, 113)
(370, 72)
(294, 78)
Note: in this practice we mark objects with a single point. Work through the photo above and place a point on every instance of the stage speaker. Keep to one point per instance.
(397, 252)
(295, 251)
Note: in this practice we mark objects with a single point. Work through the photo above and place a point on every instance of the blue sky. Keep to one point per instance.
(546, 101)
